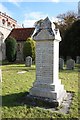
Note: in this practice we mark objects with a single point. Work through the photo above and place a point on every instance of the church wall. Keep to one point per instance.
(6, 25)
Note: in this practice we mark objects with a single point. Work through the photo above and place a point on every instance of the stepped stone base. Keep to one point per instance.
(52, 92)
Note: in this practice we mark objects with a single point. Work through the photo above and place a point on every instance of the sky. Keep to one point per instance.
(27, 12)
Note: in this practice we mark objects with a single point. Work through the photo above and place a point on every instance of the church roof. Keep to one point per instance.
(21, 34)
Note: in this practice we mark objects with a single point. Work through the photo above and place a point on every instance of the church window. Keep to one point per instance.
(8, 24)
(3, 21)
(13, 26)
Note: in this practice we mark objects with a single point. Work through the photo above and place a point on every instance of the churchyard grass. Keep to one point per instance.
(16, 85)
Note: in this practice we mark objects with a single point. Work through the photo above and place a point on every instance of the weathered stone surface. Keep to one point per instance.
(61, 63)
(28, 61)
(70, 64)
(78, 59)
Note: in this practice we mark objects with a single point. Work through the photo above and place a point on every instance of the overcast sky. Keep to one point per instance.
(27, 12)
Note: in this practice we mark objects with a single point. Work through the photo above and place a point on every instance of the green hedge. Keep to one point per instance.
(29, 49)
(11, 49)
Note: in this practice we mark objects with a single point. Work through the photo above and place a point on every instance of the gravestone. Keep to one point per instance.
(78, 59)
(61, 63)
(47, 84)
(70, 64)
(28, 61)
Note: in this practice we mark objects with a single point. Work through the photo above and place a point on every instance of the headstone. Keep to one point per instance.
(78, 59)
(28, 61)
(61, 63)
(70, 64)
(47, 84)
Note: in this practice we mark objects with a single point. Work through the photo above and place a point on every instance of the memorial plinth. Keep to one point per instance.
(47, 84)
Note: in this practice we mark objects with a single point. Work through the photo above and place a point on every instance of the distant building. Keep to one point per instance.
(7, 24)
(21, 35)
(9, 27)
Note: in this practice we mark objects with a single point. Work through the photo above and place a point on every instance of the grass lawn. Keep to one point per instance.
(15, 86)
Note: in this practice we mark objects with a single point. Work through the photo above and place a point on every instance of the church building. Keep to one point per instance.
(10, 28)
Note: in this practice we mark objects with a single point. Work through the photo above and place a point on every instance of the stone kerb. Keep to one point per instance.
(47, 84)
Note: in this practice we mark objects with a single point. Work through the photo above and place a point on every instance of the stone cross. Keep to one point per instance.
(47, 84)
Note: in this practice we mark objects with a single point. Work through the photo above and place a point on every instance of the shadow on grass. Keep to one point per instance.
(24, 68)
(6, 62)
(23, 98)
(15, 99)
(70, 71)
(20, 99)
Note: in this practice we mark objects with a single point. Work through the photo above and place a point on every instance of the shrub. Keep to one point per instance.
(70, 44)
(29, 49)
(10, 49)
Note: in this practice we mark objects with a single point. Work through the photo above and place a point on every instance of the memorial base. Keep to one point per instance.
(53, 92)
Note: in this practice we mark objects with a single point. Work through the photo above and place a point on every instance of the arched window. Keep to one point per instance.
(8, 24)
(13, 26)
(3, 21)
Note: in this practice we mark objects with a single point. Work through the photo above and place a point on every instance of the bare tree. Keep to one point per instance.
(65, 20)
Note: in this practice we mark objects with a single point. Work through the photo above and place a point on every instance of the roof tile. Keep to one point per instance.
(21, 34)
